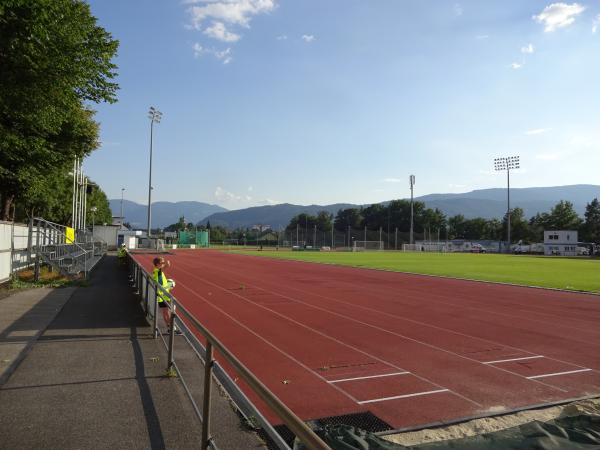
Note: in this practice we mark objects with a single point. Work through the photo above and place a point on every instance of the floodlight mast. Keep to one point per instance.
(154, 115)
(412, 183)
(507, 163)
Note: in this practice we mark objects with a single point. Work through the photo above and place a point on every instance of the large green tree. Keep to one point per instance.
(563, 217)
(591, 227)
(54, 59)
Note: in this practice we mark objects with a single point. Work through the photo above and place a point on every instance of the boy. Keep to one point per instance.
(160, 278)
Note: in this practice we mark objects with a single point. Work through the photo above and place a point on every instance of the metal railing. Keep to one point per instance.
(51, 243)
(149, 290)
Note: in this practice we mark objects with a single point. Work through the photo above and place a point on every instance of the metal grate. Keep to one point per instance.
(364, 420)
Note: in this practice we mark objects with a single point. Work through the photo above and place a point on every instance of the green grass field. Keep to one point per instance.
(580, 274)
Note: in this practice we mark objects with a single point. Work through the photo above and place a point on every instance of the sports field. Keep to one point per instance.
(389, 349)
(579, 274)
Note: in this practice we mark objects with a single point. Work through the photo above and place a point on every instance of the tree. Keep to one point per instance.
(345, 218)
(54, 58)
(456, 227)
(563, 217)
(519, 226)
(591, 227)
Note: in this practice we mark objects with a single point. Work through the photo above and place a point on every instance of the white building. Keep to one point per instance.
(560, 243)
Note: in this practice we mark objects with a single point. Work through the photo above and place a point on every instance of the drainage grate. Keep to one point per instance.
(364, 420)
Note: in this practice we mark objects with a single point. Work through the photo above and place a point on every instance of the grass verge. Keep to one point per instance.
(576, 274)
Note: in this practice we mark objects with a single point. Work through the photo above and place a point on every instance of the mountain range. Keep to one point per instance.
(163, 213)
(487, 203)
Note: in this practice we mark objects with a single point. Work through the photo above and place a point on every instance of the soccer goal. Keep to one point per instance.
(231, 242)
(435, 247)
(363, 246)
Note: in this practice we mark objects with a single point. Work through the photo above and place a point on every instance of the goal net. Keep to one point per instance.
(440, 247)
(231, 242)
(362, 246)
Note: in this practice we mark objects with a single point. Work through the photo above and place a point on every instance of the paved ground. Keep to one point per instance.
(95, 377)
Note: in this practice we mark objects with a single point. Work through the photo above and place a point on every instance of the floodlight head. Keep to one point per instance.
(506, 163)
(412, 180)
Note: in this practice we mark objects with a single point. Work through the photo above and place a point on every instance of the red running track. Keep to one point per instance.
(331, 340)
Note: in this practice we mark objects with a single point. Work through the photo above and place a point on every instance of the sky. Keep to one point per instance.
(327, 101)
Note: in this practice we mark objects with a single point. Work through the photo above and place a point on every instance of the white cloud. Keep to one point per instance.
(219, 31)
(458, 10)
(596, 24)
(226, 196)
(224, 56)
(235, 12)
(481, 37)
(558, 15)
(528, 49)
(516, 65)
(250, 188)
(198, 50)
(308, 37)
(535, 131)
(392, 180)
(282, 37)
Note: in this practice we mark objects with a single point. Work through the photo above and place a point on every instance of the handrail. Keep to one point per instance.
(293, 422)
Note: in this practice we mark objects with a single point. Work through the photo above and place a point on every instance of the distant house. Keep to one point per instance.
(261, 227)
(560, 243)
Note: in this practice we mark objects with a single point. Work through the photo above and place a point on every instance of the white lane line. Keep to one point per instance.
(371, 376)
(514, 359)
(558, 373)
(416, 394)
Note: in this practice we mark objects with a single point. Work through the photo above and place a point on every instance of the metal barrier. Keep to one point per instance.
(144, 283)
(51, 243)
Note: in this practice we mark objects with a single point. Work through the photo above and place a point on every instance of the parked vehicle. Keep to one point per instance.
(477, 248)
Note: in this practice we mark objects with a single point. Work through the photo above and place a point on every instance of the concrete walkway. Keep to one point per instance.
(95, 377)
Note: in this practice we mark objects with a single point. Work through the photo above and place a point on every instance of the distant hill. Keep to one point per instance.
(276, 216)
(163, 213)
(487, 203)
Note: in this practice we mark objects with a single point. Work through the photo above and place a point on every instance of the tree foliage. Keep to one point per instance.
(54, 60)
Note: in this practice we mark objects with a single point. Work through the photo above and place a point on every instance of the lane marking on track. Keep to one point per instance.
(193, 275)
(370, 376)
(432, 346)
(513, 359)
(546, 375)
(416, 394)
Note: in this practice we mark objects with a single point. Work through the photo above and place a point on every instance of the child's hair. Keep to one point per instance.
(156, 261)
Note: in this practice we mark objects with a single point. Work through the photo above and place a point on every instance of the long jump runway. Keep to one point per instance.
(412, 350)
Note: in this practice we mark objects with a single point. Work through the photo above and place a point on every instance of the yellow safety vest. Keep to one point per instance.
(159, 277)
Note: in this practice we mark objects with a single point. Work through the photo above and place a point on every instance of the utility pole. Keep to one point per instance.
(155, 116)
(122, 219)
(412, 183)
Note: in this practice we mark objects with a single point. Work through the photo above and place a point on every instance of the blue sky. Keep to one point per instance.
(325, 101)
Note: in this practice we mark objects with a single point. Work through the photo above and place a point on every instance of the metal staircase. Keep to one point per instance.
(70, 255)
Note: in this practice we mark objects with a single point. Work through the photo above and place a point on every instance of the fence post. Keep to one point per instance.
(37, 254)
(29, 243)
(155, 318)
(171, 338)
(146, 295)
(208, 364)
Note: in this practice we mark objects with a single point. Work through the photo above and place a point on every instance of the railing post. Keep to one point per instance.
(208, 364)
(171, 338)
(146, 295)
(37, 254)
(155, 318)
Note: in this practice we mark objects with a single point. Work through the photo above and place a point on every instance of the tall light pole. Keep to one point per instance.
(122, 191)
(412, 183)
(154, 115)
(93, 209)
(507, 163)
